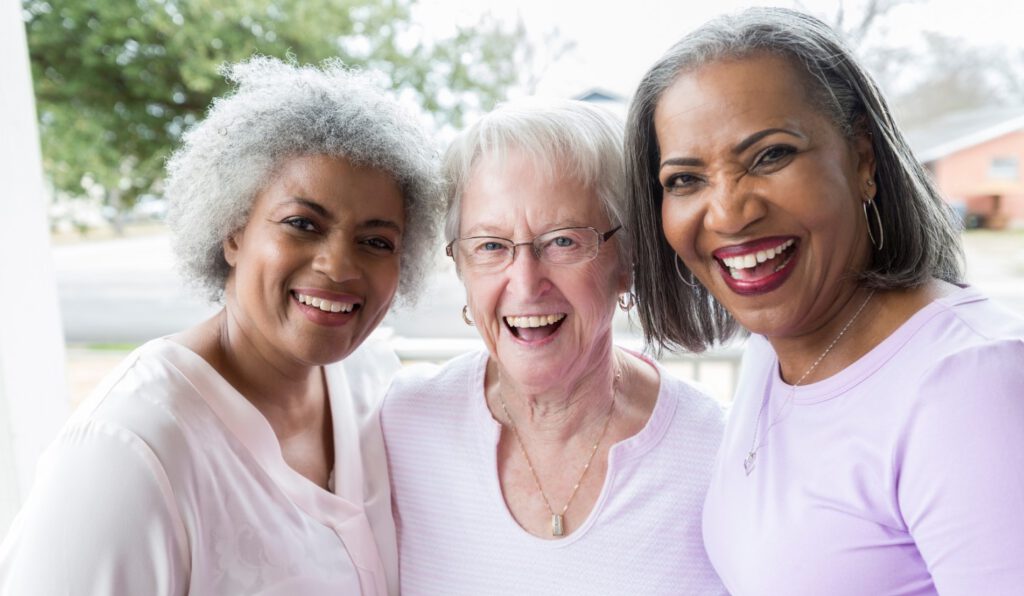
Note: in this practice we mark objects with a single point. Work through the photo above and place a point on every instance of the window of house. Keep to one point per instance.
(1004, 168)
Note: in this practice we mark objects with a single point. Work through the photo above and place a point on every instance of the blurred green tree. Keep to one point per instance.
(118, 81)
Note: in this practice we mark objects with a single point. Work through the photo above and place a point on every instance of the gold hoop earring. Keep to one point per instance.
(627, 301)
(679, 274)
(878, 219)
(465, 316)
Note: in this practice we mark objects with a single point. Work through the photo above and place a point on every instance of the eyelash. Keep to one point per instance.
(675, 183)
(302, 224)
(380, 244)
(762, 159)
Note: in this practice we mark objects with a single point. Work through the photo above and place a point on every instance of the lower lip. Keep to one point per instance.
(327, 319)
(763, 285)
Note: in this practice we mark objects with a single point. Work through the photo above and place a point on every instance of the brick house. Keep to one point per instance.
(976, 158)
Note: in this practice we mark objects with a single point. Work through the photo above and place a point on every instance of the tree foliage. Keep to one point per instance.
(118, 81)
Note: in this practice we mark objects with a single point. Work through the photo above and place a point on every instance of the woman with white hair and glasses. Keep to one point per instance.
(241, 456)
(875, 442)
(554, 462)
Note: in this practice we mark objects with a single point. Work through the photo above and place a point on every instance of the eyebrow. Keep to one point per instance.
(757, 136)
(323, 212)
(739, 148)
(483, 231)
(309, 204)
(381, 223)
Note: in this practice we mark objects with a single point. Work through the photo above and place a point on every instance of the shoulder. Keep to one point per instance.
(147, 396)
(454, 379)
(972, 339)
(968, 318)
(683, 405)
(695, 409)
(99, 483)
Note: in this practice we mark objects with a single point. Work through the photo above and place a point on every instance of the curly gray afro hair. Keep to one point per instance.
(278, 111)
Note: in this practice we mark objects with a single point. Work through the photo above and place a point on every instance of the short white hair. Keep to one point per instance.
(560, 138)
(277, 112)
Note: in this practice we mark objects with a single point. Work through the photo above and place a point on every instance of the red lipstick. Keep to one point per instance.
(761, 277)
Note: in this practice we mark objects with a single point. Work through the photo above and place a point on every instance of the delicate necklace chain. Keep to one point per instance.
(558, 519)
(751, 459)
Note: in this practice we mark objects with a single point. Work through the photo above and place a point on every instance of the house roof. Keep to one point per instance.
(598, 94)
(960, 130)
(609, 100)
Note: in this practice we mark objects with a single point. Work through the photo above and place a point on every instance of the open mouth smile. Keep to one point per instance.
(325, 311)
(757, 267)
(534, 328)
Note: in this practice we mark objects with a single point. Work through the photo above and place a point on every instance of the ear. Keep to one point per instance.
(231, 247)
(625, 281)
(864, 150)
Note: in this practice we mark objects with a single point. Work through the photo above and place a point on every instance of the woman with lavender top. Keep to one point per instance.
(875, 442)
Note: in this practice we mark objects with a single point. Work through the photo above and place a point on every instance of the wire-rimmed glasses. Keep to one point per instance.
(562, 246)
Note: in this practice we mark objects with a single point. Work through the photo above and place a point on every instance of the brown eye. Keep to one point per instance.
(774, 156)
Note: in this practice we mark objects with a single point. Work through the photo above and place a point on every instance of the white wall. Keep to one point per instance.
(33, 388)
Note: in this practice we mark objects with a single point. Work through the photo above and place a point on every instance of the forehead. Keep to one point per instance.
(729, 96)
(512, 194)
(336, 184)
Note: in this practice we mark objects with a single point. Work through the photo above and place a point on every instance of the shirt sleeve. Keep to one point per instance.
(961, 471)
(100, 519)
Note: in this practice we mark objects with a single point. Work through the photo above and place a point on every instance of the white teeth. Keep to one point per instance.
(324, 304)
(753, 259)
(534, 320)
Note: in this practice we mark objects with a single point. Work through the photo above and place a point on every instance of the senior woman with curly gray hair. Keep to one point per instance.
(553, 462)
(241, 456)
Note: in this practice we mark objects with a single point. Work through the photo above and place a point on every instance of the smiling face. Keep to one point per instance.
(546, 325)
(316, 266)
(762, 197)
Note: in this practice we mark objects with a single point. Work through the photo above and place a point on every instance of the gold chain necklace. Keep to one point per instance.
(751, 459)
(558, 519)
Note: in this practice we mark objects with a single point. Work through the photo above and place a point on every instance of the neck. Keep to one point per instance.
(557, 414)
(832, 346)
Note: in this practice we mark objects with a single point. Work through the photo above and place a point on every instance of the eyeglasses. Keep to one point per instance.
(564, 246)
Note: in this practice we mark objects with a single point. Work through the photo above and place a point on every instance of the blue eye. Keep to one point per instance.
(563, 242)
(491, 246)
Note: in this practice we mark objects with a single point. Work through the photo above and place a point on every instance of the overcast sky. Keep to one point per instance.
(616, 42)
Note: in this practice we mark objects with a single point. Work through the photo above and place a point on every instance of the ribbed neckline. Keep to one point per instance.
(869, 363)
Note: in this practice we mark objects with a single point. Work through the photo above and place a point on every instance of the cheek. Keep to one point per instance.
(679, 226)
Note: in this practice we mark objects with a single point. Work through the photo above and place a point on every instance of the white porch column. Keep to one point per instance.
(33, 386)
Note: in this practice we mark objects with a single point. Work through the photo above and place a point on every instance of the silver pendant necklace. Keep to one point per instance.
(751, 459)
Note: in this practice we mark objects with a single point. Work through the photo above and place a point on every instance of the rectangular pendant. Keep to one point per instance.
(556, 525)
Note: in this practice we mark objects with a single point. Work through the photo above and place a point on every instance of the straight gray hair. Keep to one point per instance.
(921, 239)
(561, 138)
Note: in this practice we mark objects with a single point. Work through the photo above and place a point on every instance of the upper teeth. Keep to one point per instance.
(324, 304)
(752, 259)
(534, 321)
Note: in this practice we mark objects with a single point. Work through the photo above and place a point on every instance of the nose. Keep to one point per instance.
(337, 259)
(526, 274)
(733, 207)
